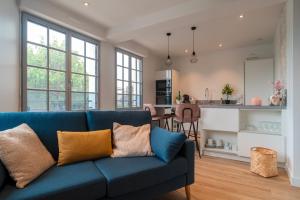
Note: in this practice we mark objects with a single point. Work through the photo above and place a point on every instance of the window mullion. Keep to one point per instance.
(48, 94)
(85, 77)
(130, 82)
(68, 66)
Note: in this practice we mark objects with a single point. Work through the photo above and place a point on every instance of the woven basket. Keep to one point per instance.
(264, 162)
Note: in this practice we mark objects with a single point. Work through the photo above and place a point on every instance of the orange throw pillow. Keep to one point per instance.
(80, 146)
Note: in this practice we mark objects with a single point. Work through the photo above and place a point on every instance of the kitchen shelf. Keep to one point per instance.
(220, 150)
(260, 132)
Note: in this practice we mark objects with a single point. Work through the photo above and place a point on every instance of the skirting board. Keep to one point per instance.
(235, 157)
(294, 181)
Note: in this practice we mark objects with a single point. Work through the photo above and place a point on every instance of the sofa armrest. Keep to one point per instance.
(188, 151)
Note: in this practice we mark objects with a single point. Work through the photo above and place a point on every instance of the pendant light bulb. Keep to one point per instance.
(169, 61)
(194, 58)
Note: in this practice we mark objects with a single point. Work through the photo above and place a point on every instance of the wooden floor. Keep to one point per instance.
(221, 179)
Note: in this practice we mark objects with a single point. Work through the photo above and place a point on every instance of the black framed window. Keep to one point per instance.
(129, 80)
(60, 67)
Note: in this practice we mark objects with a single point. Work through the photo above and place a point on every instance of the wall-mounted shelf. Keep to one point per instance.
(220, 150)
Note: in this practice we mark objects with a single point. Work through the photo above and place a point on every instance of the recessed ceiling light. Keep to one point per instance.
(186, 51)
(220, 45)
(86, 3)
(242, 16)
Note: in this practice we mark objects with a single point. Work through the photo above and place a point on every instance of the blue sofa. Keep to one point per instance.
(106, 178)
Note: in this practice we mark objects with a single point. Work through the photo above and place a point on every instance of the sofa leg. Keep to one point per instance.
(188, 192)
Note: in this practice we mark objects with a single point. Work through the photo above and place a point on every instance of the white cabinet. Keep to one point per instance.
(247, 140)
(220, 119)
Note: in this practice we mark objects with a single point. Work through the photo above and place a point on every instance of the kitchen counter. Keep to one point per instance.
(230, 106)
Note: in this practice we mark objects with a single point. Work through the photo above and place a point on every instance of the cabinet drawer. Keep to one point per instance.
(220, 119)
(248, 140)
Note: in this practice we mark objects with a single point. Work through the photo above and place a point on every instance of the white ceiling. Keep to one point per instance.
(147, 21)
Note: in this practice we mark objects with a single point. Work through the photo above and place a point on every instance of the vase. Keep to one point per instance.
(275, 100)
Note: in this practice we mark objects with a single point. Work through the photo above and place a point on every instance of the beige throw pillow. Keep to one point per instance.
(131, 141)
(23, 154)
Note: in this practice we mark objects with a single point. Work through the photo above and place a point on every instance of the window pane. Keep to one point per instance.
(138, 101)
(119, 87)
(119, 104)
(57, 40)
(91, 101)
(133, 63)
(126, 101)
(119, 59)
(77, 46)
(126, 74)
(36, 100)
(57, 60)
(133, 88)
(36, 55)
(119, 73)
(133, 75)
(36, 33)
(126, 61)
(90, 84)
(90, 67)
(139, 64)
(90, 50)
(57, 101)
(138, 91)
(57, 80)
(133, 101)
(77, 83)
(126, 87)
(77, 101)
(36, 78)
(138, 77)
(77, 64)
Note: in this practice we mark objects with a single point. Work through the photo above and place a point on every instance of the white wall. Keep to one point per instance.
(214, 70)
(9, 53)
(280, 45)
(9, 56)
(293, 84)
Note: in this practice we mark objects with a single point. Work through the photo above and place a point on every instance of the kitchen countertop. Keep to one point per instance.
(230, 106)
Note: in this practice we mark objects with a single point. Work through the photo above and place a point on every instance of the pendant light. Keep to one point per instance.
(169, 61)
(194, 58)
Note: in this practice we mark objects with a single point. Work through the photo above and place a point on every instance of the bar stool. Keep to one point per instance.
(155, 117)
(188, 113)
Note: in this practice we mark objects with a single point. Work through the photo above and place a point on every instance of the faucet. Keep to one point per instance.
(206, 93)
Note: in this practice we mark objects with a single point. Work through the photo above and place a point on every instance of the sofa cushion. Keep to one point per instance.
(23, 154)
(125, 175)
(99, 120)
(166, 144)
(80, 146)
(45, 125)
(131, 141)
(75, 181)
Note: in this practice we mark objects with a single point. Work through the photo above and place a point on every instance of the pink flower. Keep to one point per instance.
(278, 85)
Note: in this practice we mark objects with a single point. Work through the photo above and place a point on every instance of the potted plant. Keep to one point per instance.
(227, 90)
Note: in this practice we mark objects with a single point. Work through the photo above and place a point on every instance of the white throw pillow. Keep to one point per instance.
(131, 141)
(23, 154)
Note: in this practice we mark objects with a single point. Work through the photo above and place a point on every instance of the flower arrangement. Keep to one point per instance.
(276, 98)
(278, 86)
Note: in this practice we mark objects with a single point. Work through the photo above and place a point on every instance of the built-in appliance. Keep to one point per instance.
(166, 87)
(164, 91)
